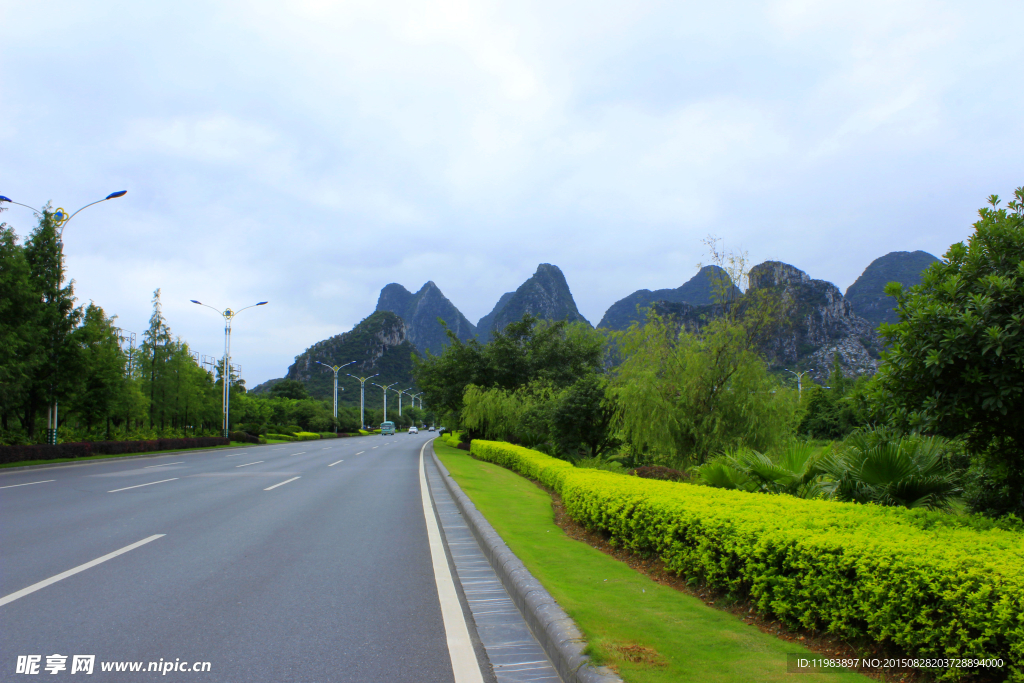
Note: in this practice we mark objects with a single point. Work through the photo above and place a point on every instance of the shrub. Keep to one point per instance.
(855, 571)
(306, 436)
(242, 437)
(85, 449)
(281, 437)
(329, 435)
(658, 472)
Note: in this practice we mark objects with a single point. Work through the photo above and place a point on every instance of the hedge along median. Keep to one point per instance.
(896, 577)
(85, 449)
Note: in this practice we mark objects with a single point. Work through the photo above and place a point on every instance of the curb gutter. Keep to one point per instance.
(555, 630)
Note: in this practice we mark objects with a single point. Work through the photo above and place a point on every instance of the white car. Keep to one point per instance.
(413, 430)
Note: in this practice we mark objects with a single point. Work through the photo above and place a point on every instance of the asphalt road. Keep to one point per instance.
(327, 577)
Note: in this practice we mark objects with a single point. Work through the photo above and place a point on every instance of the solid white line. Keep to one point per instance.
(249, 463)
(335, 463)
(141, 485)
(281, 484)
(164, 465)
(460, 647)
(71, 572)
(47, 481)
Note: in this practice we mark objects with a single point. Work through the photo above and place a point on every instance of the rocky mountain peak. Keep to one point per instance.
(775, 273)
(545, 295)
(420, 312)
(699, 290)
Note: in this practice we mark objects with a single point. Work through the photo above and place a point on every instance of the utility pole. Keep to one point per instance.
(362, 396)
(335, 368)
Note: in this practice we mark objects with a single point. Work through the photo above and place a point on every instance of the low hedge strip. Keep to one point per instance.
(857, 571)
(84, 449)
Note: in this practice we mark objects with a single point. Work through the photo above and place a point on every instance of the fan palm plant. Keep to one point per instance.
(879, 466)
(795, 470)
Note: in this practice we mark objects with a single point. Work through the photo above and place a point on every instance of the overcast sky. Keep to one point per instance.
(309, 153)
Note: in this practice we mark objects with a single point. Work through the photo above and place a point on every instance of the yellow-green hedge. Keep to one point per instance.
(451, 438)
(306, 436)
(894, 576)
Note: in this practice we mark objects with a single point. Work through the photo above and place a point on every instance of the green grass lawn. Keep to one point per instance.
(25, 463)
(625, 615)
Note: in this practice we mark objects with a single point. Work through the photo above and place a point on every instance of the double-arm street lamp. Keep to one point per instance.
(385, 396)
(60, 218)
(799, 382)
(362, 396)
(400, 392)
(229, 315)
(336, 368)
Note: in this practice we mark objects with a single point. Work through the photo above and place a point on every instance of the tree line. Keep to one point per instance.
(938, 426)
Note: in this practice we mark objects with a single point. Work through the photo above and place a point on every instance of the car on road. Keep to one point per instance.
(413, 430)
(431, 429)
(387, 428)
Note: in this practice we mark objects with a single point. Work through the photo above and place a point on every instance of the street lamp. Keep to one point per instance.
(362, 395)
(799, 385)
(335, 368)
(60, 218)
(403, 391)
(385, 396)
(226, 372)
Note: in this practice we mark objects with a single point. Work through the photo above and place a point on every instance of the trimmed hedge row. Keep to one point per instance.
(86, 448)
(856, 571)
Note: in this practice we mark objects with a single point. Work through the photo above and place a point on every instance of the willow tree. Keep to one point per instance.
(684, 396)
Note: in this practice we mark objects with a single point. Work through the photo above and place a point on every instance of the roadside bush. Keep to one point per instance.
(658, 472)
(328, 435)
(281, 437)
(306, 436)
(855, 571)
(242, 437)
(10, 454)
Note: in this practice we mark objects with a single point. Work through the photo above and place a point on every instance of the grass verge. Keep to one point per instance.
(108, 456)
(648, 632)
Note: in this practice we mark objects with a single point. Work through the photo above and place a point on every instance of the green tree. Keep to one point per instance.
(684, 396)
(20, 331)
(289, 388)
(100, 369)
(955, 364)
(581, 419)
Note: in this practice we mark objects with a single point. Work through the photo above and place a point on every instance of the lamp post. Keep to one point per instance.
(385, 396)
(229, 315)
(400, 392)
(799, 383)
(336, 368)
(60, 218)
(362, 396)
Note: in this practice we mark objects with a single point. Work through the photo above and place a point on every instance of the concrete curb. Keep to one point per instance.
(556, 632)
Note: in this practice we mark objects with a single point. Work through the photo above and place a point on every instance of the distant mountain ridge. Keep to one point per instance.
(420, 312)
(819, 324)
(698, 291)
(867, 293)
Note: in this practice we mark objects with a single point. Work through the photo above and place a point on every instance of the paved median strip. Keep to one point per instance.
(138, 486)
(249, 463)
(80, 568)
(164, 464)
(335, 463)
(46, 481)
(269, 488)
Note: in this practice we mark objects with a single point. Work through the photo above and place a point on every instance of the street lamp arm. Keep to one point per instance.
(11, 201)
(248, 307)
(221, 313)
